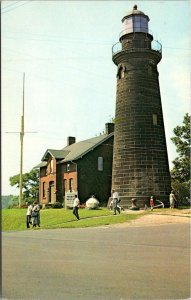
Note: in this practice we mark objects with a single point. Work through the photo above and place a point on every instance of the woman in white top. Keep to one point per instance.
(28, 214)
(172, 199)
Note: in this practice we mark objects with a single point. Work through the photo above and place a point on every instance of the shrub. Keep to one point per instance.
(47, 206)
(57, 205)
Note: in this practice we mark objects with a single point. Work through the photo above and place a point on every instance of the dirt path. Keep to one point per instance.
(157, 218)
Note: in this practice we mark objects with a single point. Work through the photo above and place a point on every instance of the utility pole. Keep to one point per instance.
(22, 132)
(21, 141)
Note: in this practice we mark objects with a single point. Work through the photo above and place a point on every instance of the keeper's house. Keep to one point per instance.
(84, 168)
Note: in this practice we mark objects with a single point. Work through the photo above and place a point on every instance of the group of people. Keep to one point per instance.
(172, 200)
(33, 214)
(116, 199)
(33, 211)
(113, 204)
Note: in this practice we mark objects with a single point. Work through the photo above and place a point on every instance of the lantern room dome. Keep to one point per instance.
(135, 11)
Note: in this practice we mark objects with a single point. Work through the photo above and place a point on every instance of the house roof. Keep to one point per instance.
(42, 164)
(77, 150)
(74, 151)
(58, 154)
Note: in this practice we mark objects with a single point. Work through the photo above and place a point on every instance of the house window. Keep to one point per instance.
(71, 184)
(155, 121)
(43, 189)
(100, 163)
(51, 166)
(65, 184)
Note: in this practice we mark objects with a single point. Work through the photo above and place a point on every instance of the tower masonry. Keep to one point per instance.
(140, 160)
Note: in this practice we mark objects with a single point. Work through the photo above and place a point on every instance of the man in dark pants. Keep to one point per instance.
(115, 197)
(75, 207)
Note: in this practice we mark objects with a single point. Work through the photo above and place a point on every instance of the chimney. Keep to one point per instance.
(70, 140)
(109, 128)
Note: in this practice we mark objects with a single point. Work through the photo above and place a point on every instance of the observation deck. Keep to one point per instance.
(155, 46)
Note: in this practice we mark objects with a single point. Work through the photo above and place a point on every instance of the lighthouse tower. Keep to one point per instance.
(140, 160)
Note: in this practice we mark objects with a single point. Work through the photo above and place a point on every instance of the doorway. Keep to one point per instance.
(51, 191)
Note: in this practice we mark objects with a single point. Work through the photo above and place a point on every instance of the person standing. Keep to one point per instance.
(36, 214)
(115, 198)
(28, 214)
(151, 202)
(172, 199)
(75, 207)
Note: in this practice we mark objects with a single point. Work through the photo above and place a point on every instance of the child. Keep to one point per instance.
(152, 202)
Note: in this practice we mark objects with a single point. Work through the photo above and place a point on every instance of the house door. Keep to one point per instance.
(51, 191)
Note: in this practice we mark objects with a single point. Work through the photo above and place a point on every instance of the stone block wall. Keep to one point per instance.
(140, 162)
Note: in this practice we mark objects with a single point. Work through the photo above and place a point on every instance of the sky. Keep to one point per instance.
(65, 50)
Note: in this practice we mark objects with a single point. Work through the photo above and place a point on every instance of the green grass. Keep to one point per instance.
(15, 219)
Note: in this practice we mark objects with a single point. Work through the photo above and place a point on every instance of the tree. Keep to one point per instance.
(9, 201)
(180, 174)
(30, 184)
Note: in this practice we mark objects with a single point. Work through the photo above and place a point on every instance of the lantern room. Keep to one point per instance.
(135, 21)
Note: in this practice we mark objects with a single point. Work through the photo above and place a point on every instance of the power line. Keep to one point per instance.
(15, 7)
(176, 48)
(10, 4)
(59, 38)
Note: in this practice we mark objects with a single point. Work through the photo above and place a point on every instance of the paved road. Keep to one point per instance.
(97, 263)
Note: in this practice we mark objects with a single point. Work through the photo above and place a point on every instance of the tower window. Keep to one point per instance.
(68, 167)
(121, 72)
(155, 119)
(150, 70)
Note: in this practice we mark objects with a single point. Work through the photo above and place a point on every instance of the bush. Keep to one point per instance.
(57, 205)
(182, 192)
(47, 206)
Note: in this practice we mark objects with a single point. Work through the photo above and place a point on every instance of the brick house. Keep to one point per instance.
(82, 167)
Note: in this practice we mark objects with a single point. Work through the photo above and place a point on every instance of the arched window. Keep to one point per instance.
(121, 72)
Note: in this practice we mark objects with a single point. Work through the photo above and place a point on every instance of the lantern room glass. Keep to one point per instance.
(135, 24)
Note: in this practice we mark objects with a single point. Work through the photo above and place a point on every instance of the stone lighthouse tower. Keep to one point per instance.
(140, 160)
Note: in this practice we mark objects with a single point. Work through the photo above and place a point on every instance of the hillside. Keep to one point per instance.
(6, 201)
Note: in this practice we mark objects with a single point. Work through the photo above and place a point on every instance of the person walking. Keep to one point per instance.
(75, 207)
(29, 214)
(115, 199)
(172, 199)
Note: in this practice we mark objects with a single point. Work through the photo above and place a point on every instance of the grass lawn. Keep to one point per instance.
(15, 219)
